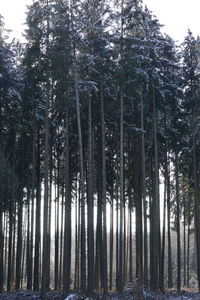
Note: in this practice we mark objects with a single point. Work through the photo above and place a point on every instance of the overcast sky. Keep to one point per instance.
(176, 15)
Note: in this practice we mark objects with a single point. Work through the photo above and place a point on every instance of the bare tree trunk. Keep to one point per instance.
(98, 267)
(31, 211)
(117, 238)
(61, 238)
(162, 263)
(111, 240)
(76, 265)
(19, 239)
(104, 232)
(155, 211)
(90, 217)
(138, 206)
(130, 248)
(1, 210)
(82, 183)
(36, 285)
(170, 279)
(121, 277)
(57, 219)
(67, 231)
(188, 240)
(45, 257)
(197, 208)
(46, 206)
(10, 233)
(178, 223)
(145, 237)
(184, 241)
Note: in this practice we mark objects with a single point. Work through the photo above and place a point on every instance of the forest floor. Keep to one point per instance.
(126, 295)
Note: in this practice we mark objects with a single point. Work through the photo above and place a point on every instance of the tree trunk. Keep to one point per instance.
(45, 258)
(162, 263)
(82, 183)
(46, 206)
(1, 209)
(36, 285)
(130, 248)
(197, 208)
(61, 238)
(98, 268)
(19, 239)
(104, 232)
(155, 211)
(170, 279)
(111, 239)
(67, 230)
(57, 219)
(188, 240)
(90, 217)
(184, 241)
(10, 233)
(145, 238)
(138, 207)
(178, 223)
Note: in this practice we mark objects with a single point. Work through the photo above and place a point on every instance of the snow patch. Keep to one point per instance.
(75, 297)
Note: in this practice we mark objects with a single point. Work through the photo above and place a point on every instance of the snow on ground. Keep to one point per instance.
(126, 295)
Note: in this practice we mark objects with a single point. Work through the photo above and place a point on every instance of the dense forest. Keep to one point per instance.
(99, 151)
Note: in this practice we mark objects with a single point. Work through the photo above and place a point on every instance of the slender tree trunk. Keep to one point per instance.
(50, 209)
(57, 214)
(121, 277)
(82, 182)
(45, 258)
(28, 237)
(61, 238)
(76, 265)
(170, 279)
(10, 233)
(184, 242)
(31, 210)
(145, 238)
(67, 231)
(178, 223)
(117, 238)
(138, 206)
(77, 237)
(46, 205)
(19, 239)
(111, 239)
(23, 264)
(98, 267)
(162, 264)
(13, 265)
(90, 217)
(36, 285)
(104, 236)
(197, 208)
(155, 212)
(130, 248)
(1, 209)
(125, 245)
(188, 240)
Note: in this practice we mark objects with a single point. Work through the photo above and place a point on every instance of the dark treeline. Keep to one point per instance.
(99, 150)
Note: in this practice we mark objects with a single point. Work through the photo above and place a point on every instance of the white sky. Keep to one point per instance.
(176, 15)
(13, 12)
